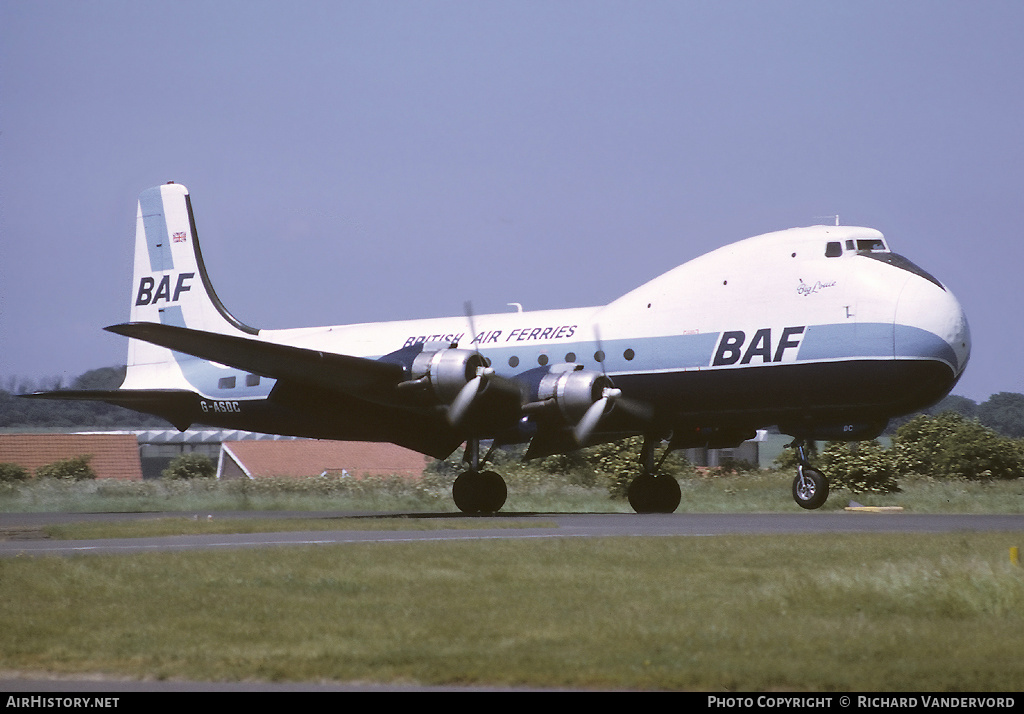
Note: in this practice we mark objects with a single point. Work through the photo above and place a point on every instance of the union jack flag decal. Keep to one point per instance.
(178, 237)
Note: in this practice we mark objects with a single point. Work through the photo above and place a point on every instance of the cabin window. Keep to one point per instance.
(834, 249)
(542, 360)
(226, 383)
(513, 361)
(252, 380)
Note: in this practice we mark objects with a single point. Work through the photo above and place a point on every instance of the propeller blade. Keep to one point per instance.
(636, 409)
(463, 399)
(472, 327)
(590, 419)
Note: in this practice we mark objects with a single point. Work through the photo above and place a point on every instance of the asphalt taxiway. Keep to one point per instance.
(23, 536)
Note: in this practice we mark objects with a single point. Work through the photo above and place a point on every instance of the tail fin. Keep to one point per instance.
(171, 287)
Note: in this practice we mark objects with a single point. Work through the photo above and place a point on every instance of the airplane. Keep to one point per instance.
(820, 331)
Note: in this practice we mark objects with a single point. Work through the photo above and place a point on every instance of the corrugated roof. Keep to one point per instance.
(303, 458)
(192, 436)
(113, 455)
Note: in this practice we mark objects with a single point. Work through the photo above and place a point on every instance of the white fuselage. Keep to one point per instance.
(689, 319)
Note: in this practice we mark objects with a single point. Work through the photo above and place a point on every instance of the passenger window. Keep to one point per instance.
(834, 249)
(226, 383)
(252, 380)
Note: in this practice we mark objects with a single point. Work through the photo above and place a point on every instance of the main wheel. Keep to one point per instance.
(654, 494)
(479, 492)
(810, 488)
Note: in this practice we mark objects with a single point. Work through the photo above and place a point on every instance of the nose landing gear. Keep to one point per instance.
(810, 487)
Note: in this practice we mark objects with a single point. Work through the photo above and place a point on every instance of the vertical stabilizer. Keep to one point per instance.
(171, 287)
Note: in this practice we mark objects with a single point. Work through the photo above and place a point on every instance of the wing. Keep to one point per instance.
(297, 365)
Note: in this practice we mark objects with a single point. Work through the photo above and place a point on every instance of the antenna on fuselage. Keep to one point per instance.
(834, 217)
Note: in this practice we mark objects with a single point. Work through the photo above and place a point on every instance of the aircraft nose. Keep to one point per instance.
(931, 324)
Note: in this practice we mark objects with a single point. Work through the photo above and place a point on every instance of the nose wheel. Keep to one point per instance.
(810, 487)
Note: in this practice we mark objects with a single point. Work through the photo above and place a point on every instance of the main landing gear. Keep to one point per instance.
(810, 487)
(649, 492)
(476, 491)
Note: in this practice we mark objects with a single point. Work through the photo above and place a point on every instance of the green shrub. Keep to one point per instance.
(12, 473)
(189, 466)
(862, 467)
(73, 469)
(951, 445)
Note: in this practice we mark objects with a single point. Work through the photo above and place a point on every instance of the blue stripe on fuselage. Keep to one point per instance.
(874, 340)
(913, 342)
(843, 341)
(818, 343)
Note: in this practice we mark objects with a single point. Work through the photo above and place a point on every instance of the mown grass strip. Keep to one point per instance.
(851, 612)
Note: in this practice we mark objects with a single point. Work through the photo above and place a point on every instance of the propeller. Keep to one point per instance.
(460, 405)
(596, 411)
(464, 399)
(582, 431)
(610, 395)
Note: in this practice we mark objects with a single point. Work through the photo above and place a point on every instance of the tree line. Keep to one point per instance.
(36, 413)
(1003, 413)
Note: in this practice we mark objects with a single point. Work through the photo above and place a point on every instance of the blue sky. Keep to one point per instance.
(363, 161)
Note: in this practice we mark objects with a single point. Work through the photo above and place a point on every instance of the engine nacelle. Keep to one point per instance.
(572, 392)
(445, 372)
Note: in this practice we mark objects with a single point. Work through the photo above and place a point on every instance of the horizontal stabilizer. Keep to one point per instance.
(174, 405)
(352, 375)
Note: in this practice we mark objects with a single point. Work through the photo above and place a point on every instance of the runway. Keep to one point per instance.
(24, 539)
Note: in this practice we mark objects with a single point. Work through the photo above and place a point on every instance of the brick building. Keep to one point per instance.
(305, 457)
(113, 456)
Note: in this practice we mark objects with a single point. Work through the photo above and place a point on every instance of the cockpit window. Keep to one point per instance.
(834, 249)
(871, 245)
(898, 261)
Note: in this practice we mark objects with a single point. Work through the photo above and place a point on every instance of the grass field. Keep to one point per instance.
(762, 491)
(817, 612)
(825, 612)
